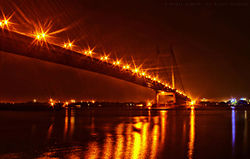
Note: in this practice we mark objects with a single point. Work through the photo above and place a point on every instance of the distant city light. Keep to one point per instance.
(139, 105)
(243, 98)
(193, 102)
(149, 103)
(233, 101)
(51, 100)
(204, 100)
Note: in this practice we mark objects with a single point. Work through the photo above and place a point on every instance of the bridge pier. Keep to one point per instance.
(165, 98)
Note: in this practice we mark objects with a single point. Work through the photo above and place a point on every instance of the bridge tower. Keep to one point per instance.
(167, 68)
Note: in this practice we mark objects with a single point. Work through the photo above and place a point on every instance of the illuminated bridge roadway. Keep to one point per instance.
(19, 44)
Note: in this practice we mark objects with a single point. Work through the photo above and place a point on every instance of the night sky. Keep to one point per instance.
(210, 40)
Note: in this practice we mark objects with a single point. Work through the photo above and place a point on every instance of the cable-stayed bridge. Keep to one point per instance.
(37, 47)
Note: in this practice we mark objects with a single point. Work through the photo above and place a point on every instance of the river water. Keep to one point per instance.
(187, 133)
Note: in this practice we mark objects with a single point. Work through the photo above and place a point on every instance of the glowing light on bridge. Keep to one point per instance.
(104, 58)
(68, 45)
(143, 74)
(178, 91)
(126, 67)
(41, 36)
(88, 52)
(136, 70)
(5, 21)
(117, 62)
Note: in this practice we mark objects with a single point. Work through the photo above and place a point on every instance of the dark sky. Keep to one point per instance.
(210, 39)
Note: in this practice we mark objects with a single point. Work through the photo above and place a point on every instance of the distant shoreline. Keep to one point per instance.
(108, 106)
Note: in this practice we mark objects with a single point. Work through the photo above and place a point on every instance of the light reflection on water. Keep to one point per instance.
(93, 150)
(137, 139)
(69, 123)
(143, 137)
(245, 132)
(108, 146)
(233, 130)
(138, 134)
(191, 134)
(239, 117)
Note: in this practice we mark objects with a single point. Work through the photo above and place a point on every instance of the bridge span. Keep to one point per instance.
(15, 43)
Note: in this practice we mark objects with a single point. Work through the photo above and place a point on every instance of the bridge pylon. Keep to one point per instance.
(167, 67)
